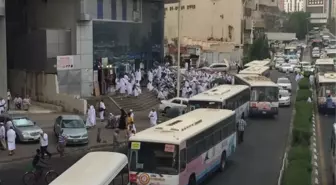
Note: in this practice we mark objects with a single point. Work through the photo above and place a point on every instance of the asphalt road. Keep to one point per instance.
(256, 162)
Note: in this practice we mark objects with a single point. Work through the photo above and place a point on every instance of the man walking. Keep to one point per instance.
(241, 128)
(61, 143)
(44, 145)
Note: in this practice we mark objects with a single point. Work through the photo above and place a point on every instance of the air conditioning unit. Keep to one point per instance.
(136, 16)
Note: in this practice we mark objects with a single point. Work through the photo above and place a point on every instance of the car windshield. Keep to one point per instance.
(264, 94)
(331, 55)
(73, 123)
(286, 65)
(154, 158)
(283, 93)
(283, 81)
(305, 64)
(23, 122)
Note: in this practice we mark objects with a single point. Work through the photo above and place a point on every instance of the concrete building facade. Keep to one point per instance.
(123, 32)
(3, 51)
(205, 20)
(294, 5)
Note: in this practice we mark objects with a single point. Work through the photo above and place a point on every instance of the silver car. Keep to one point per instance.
(25, 129)
(73, 128)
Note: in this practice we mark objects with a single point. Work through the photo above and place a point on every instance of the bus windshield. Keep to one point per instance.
(155, 158)
(204, 104)
(264, 94)
(325, 68)
(290, 51)
(326, 89)
(331, 55)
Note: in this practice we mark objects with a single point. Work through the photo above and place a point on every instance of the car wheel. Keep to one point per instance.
(166, 109)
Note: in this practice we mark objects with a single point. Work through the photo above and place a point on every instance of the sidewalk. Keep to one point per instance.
(25, 151)
(33, 109)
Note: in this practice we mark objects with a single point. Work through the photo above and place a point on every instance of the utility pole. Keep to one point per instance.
(252, 29)
(178, 49)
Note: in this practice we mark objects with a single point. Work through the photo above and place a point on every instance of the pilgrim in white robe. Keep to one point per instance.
(101, 110)
(122, 85)
(184, 92)
(138, 75)
(150, 76)
(11, 136)
(91, 117)
(150, 86)
(129, 88)
(161, 95)
(136, 92)
(152, 118)
(137, 85)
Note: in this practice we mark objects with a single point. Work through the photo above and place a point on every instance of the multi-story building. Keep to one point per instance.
(219, 20)
(319, 11)
(294, 5)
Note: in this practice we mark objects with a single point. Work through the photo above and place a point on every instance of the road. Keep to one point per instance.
(256, 162)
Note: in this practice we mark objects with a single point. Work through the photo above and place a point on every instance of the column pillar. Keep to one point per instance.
(84, 35)
(3, 58)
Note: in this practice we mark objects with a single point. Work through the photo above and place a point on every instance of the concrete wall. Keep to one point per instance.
(44, 88)
(3, 58)
(207, 19)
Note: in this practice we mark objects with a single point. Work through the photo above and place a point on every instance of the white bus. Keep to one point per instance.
(264, 94)
(96, 168)
(256, 70)
(183, 150)
(265, 62)
(324, 65)
(326, 86)
(232, 97)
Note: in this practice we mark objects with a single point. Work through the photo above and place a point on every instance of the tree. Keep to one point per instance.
(332, 25)
(259, 50)
(298, 22)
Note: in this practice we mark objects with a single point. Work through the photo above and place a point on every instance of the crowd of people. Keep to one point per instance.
(18, 102)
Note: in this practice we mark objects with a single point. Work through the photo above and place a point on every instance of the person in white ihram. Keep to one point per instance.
(101, 110)
(152, 118)
(91, 117)
(11, 136)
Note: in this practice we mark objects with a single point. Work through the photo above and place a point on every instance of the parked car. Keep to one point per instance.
(284, 83)
(218, 67)
(286, 67)
(180, 103)
(284, 98)
(278, 62)
(26, 130)
(316, 52)
(73, 128)
(301, 65)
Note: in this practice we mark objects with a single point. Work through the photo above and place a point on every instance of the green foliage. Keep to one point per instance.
(332, 25)
(299, 168)
(303, 95)
(298, 22)
(259, 50)
(304, 83)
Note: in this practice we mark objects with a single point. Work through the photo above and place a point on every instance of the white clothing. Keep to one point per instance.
(9, 124)
(129, 88)
(44, 139)
(138, 75)
(309, 100)
(102, 107)
(152, 118)
(122, 86)
(136, 92)
(9, 96)
(161, 96)
(91, 117)
(150, 76)
(2, 106)
(150, 86)
(11, 136)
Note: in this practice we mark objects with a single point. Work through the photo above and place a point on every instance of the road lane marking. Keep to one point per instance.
(321, 150)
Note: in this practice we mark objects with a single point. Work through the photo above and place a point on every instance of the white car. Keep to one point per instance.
(284, 83)
(219, 67)
(180, 103)
(286, 67)
(316, 53)
(284, 98)
(278, 62)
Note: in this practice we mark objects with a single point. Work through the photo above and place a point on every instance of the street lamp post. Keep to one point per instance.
(178, 49)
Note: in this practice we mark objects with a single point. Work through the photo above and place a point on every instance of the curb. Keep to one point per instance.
(313, 147)
(111, 147)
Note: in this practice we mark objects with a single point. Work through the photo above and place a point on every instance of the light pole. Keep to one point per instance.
(178, 49)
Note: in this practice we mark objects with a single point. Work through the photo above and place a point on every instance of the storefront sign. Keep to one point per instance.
(65, 62)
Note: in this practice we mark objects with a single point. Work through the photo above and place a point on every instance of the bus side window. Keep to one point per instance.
(183, 160)
(121, 178)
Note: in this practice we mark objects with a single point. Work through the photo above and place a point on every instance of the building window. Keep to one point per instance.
(171, 8)
(135, 5)
(182, 7)
(191, 7)
(176, 8)
(230, 34)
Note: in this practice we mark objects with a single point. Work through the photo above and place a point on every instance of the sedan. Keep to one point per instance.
(73, 128)
(284, 83)
(286, 67)
(180, 103)
(219, 67)
(26, 129)
(284, 98)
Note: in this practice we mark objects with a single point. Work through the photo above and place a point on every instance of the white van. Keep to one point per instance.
(96, 168)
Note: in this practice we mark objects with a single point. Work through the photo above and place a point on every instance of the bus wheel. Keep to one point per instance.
(223, 162)
(192, 180)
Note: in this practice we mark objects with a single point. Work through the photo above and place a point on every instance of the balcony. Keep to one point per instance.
(2, 8)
